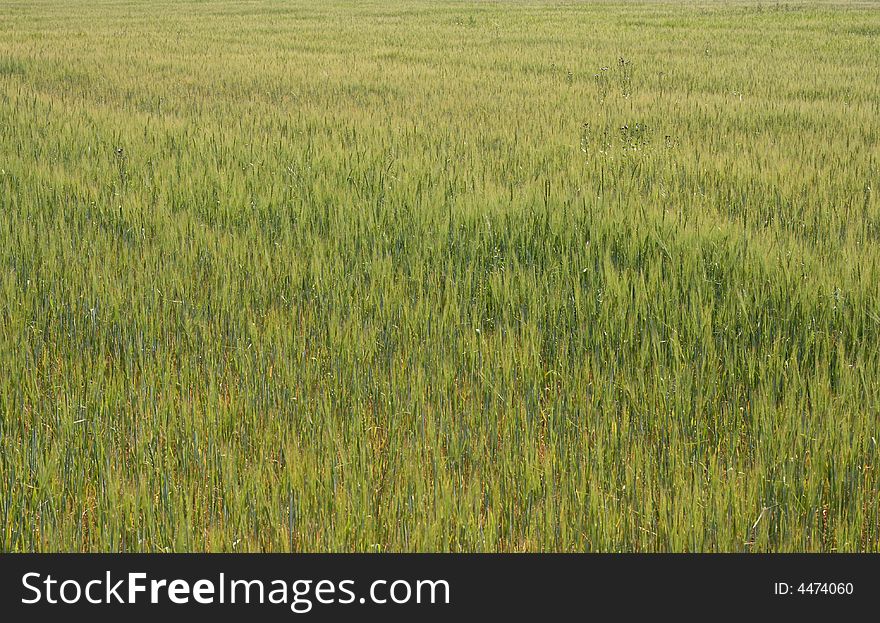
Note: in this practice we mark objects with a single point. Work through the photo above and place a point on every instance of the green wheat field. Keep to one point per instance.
(439, 276)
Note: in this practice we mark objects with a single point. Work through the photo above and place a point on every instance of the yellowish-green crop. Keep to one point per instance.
(447, 276)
